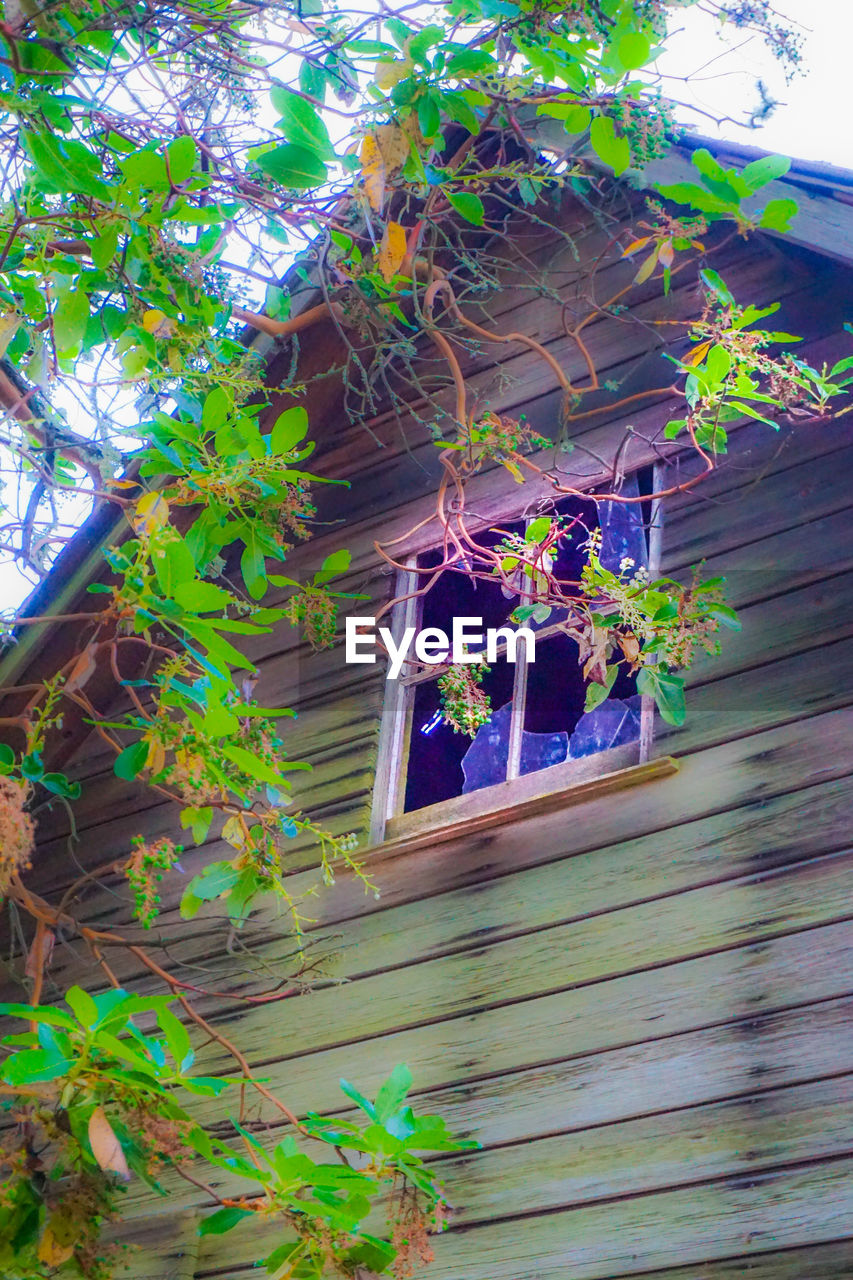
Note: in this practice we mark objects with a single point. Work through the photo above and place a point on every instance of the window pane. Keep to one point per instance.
(555, 700)
(455, 595)
(555, 687)
(435, 751)
(538, 751)
(622, 528)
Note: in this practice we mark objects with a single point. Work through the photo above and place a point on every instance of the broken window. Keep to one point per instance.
(537, 707)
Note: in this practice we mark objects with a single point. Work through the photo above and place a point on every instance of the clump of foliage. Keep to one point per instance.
(96, 1100)
(162, 165)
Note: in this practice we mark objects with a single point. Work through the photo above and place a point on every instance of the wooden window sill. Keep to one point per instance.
(559, 787)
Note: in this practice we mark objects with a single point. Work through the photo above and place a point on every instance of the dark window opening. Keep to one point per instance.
(538, 716)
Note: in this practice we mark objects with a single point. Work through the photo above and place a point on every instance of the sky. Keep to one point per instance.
(812, 120)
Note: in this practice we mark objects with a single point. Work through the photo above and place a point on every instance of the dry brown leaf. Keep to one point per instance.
(595, 667)
(392, 250)
(106, 1147)
(373, 171)
(82, 671)
(630, 646)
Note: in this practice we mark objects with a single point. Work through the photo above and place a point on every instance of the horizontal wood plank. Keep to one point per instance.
(697, 1224)
(740, 983)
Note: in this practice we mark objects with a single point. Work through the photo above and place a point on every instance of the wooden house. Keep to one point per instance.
(628, 973)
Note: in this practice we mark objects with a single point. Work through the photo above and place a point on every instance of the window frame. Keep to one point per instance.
(389, 819)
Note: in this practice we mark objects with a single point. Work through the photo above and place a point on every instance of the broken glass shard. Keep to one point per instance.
(485, 761)
(615, 722)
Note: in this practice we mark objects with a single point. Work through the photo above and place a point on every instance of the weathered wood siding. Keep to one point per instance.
(640, 1006)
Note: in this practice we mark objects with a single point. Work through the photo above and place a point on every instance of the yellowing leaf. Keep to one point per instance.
(392, 250)
(647, 268)
(373, 171)
(390, 73)
(52, 1251)
(158, 323)
(666, 254)
(234, 833)
(106, 1147)
(156, 758)
(513, 471)
(9, 323)
(151, 512)
(394, 145)
(698, 353)
(635, 246)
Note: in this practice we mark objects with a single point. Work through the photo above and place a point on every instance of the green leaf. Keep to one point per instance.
(223, 1220)
(334, 564)
(67, 165)
(392, 1093)
(633, 50)
(289, 428)
(70, 317)
(216, 408)
(574, 118)
(182, 155)
(358, 1098)
(429, 115)
(198, 820)
(293, 166)
(538, 529)
(32, 1066)
(253, 564)
(39, 1013)
(253, 766)
(717, 285)
(759, 172)
(131, 761)
(691, 193)
(173, 562)
(145, 169)
(778, 214)
(216, 879)
(598, 693)
(608, 146)
(301, 123)
(276, 1260)
(105, 247)
(717, 364)
(60, 785)
(470, 62)
(201, 597)
(177, 1038)
(32, 766)
(7, 758)
(727, 617)
(84, 1008)
(667, 691)
(468, 206)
